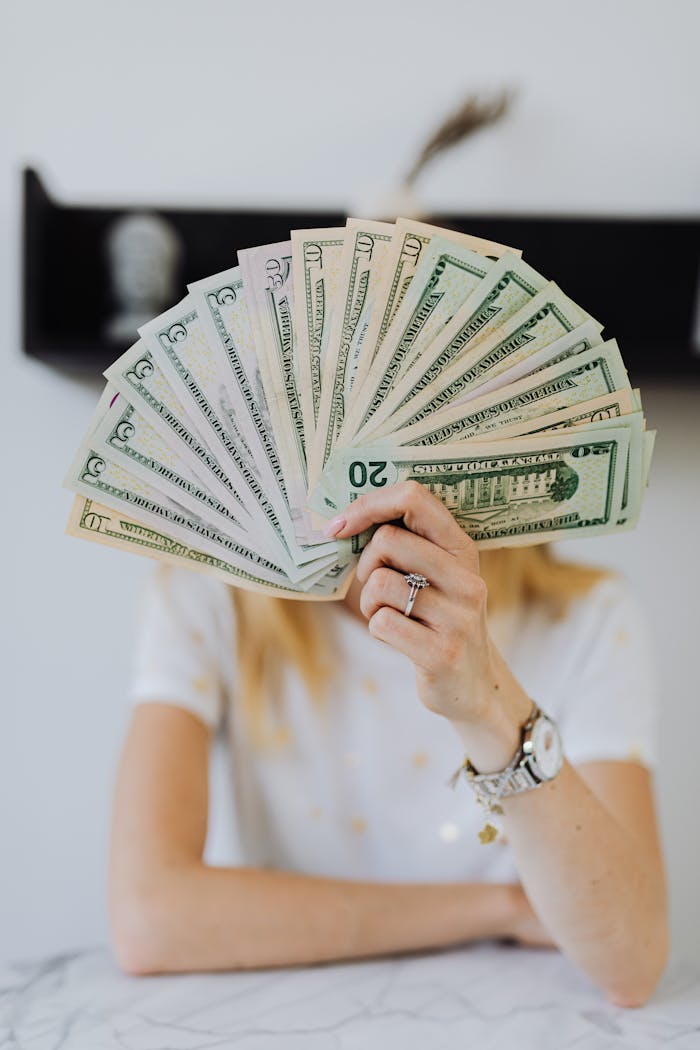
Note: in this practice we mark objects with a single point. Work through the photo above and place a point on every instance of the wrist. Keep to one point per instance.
(492, 739)
(507, 908)
(491, 735)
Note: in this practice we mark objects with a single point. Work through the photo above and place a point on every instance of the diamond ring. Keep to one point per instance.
(416, 582)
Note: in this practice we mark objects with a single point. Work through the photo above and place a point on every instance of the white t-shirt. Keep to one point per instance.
(361, 792)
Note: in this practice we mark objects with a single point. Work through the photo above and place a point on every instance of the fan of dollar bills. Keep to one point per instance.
(342, 361)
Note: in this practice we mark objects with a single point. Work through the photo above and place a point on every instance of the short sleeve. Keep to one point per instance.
(179, 638)
(609, 707)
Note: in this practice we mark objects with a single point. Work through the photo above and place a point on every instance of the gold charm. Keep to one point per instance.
(487, 834)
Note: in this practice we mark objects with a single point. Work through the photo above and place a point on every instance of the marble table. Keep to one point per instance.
(486, 995)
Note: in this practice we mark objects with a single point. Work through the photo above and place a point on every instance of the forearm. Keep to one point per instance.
(203, 918)
(591, 883)
(590, 880)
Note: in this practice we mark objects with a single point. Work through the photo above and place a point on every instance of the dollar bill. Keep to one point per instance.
(366, 250)
(539, 325)
(137, 376)
(631, 502)
(409, 242)
(222, 311)
(580, 378)
(457, 399)
(485, 415)
(606, 413)
(93, 475)
(316, 268)
(445, 277)
(519, 491)
(178, 343)
(599, 409)
(221, 308)
(93, 521)
(267, 280)
(121, 433)
(508, 286)
(577, 341)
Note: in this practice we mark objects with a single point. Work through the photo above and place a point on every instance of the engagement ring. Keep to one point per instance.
(416, 582)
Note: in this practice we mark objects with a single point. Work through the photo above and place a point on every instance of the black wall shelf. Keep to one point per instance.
(640, 277)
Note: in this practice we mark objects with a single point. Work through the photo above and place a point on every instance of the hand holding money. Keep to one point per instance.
(327, 368)
(459, 674)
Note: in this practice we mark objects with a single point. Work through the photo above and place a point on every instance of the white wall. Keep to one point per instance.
(231, 103)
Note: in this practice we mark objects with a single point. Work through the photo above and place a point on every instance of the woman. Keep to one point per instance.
(351, 844)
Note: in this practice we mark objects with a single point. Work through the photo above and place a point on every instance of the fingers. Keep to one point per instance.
(402, 633)
(403, 550)
(420, 511)
(387, 588)
(399, 549)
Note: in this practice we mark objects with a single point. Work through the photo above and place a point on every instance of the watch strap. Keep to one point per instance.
(509, 770)
(515, 777)
(490, 788)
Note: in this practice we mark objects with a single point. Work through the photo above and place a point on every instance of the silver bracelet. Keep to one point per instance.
(491, 801)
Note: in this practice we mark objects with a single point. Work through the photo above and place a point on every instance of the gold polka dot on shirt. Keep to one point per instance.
(635, 753)
(358, 825)
(315, 812)
(197, 637)
(201, 684)
(621, 637)
(369, 686)
(419, 759)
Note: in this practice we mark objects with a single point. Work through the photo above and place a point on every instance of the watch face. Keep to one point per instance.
(546, 747)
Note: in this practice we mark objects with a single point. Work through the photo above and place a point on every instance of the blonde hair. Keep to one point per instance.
(277, 633)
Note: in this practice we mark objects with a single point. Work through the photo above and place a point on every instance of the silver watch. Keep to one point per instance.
(538, 759)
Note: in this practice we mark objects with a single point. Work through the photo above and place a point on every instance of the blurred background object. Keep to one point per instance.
(143, 262)
(224, 107)
(126, 266)
(473, 114)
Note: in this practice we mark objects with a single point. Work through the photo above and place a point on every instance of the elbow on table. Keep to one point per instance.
(142, 934)
(640, 976)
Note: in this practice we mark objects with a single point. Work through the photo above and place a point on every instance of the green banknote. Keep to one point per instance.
(121, 433)
(97, 523)
(221, 308)
(408, 245)
(508, 286)
(138, 377)
(93, 475)
(603, 411)
(178, 342)
(521, 491)
(446, 276)
(268, 284)
(316, 268)
(365, 252)
(608, 406)
(549, 328)
(475, 414)
(573, 380)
